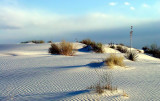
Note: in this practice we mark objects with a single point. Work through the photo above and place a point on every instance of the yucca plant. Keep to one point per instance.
(132, 56)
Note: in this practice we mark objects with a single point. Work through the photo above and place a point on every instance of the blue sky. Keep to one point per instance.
(100, 20)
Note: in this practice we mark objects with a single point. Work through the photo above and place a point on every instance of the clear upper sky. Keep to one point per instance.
(100, 20)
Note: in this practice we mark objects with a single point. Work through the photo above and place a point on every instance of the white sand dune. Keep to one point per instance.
(29, 73)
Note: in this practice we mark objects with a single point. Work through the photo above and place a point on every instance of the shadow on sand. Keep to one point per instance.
(85, 49)
(45, 96)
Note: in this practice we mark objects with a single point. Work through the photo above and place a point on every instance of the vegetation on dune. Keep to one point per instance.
(114, 60)
(63, 48)
(96, 47)
(122, 49)
(49, 41)
(105, 82)
(154, 50)
(34, 41)
(131, 56)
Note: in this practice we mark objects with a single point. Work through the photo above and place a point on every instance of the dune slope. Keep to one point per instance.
(28, 72)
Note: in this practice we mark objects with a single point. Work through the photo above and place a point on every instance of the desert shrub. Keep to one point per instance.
(114, 60)
(38, 41)
(49, 41)
(86, 41)
(154, 50)
(121, 44)
(54, 49)
(34, 41)
(122, 49)
(145, 48)
(96, 47)
(105, 81)
(132, 56)
(99, 88)
(112, 47)
(64, 48)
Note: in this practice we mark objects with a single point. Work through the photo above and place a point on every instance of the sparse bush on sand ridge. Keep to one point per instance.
(122, 49)
(131, 56)
(86, 41)
(112, 47)
(34, 41)
(49, 41)
(114, 60)
(96, 47)
(154, 50)
(63, 48)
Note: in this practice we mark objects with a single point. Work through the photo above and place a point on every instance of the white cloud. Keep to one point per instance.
(112, 3)
(145, 5)
(21, 24)
(126, 3)
(34, 22)
(132, 8)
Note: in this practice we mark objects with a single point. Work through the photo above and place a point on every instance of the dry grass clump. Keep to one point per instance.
(86, 41)
(96, 47)
(132, 56)
(114, 60)
(125, 94)
(99, 89)
(64, 48)
(105, 82)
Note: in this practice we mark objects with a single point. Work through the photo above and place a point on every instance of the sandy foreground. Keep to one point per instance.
(29, 73)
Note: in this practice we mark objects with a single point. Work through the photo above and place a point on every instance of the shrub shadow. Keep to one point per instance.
(46, 96)
(95, 64)
(85, 49)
